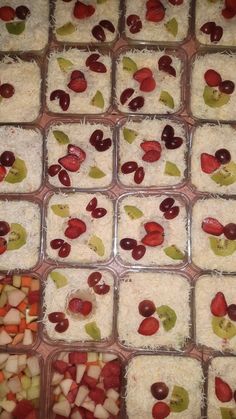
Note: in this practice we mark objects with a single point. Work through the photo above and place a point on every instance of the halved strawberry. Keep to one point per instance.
(228, 13)
(148, 84)
(152, 4)
(77, 74)
(152, 226)
(151, 156)
(155, 15)
(72, 232)
(72, 371)
(142, 74)
(77, 151)
(155, 238)
(70, 162)
(219, 305)
(230, 4)
(7, 13)
(77, 85)
(86, 308)
(3, 173)
(160, 410)
(212, 78)
(212, 226)
(82, 11)
(209, 163)
(78, 357)
(150, 145)
(222, 390)
(148, 326)
(3, 245)
(77, 223)
(97, 395)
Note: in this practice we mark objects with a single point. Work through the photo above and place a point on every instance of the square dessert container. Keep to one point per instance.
(99, 248)
(64, 69)
(181, 59)
(179, 156)
(222, 103)
(63, 355)
(180, 257)
(24, 89)
(185, 18)
(102, 160)
(160, 281)
(27, 140)
(103, 307)
(24, 335)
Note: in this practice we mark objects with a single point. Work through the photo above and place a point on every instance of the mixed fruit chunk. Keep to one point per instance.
(12, 168)
(223, 246)
(86, 385)
(15, 18)
(224, 327)
(20, 309)
(19, 386)
(217, 91)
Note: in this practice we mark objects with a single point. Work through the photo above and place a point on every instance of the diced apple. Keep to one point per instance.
(35, 382)
(5, 415)
(12, 364)
(35, 285)
(112, 394)
(12, 317)
(3, 358)
(25, 290)
(25, 382)
(15, 297)
(56, 378)
(107, 357)
(14, 384)
(22, 361)
(3, 299)
(111, 406)
(16, 281)
(81, 395)
(76, 415)
(8, 405)
(7, 374)
(28, 338)
(61, 398)
(22, 395)
(80, 370)
(90, 405)
(92, 356)
(3, 389)
(57, 390)
(62, 408)
(100, 412)
(33, 365)
(94, 371)
(66, 358)
(66, 385)
(33, 393)
(5, 338)
(8, 288)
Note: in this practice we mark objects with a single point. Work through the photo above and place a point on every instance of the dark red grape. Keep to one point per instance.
(131, 19)
(164, 61)
(64, 250)
(136, 103)
(166, 204)
(173, 143)
(92, 57)
(125, 95)
(98, 33)
(167, 133)
(97, 135)
(146, 308)
(230, 231)
(227, 86)
(107, 24)
(54, 169)
(232, 312)
(98, 212)
(6, 90)
(223, 155)
(92, 204)
(103, 145)
(159, 390)
(129, 167)
(94, 278)
(7, 158)
(208, 27)
(4, 228)
(138, 252)
(216, 34)
(139, 175)
(22, 12)
(136, 27)
(173, 212)
(101, 289)
(62, 326)
(56, 316)
(56, 243)
(64, 178)
(127, 243)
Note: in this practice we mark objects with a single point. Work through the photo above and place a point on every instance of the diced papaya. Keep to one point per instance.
(11, 329)
(35, 284)
(2, 378)
(22, 325)
(34, 309)
(22, 306)
(33, 326)
(11, 396)
(3, 311)
(26, 281)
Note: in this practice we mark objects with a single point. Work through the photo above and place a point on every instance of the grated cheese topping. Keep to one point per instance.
(155, 287)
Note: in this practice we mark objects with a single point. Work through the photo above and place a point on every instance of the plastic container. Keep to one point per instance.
(179, 54)
(108, 314)
(153, 132)
(94, 157)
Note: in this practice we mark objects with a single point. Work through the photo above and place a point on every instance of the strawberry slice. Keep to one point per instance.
(111, 368)
(212, 226)
(77, 74)
(77, 223)
(70, 162)
(228, 13)
(97, 395)
(152, 226)
(3, 173)
(153, 4)
(155, 15)
(3, 245)
(33, 297)
(148, 84)
(82, 11)
(71, 396)
(150, 145)
(148, 326)
(231, 4)
(77, 151)
(209, 163)
(151, 156)
(77, 85)
(22, 409)
(219, 305)
(78, 357)
(222, 390)
(111, 382)
(89, 381)
(155, 238)
(142, 74)
(7, 13)
(72, 232)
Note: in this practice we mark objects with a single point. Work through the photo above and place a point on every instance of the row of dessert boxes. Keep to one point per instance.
(135, 153)
(140, 80)
(31, 27)
(102, 385)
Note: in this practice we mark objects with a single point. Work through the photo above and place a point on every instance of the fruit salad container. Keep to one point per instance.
(160, 320)
(151, 151)
(86, 150)
(99, 26)
(20, 300)
(142, 221)
(23, 88)
(18, 174)
(22, 378)
(146, 28)
(83, 309)
(76, 234)
(138, 79)
(80, 381)
(68, 92)
(212, 94)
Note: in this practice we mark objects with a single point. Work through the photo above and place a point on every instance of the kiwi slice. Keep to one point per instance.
(179, 399)
(98, 100)
(167, 99)
(227, 413)
(129, 65)
(214, 98)
(223, 328)
(59, 279)
(17, 237)
(96, 244)
(129, 135)
(222, 247)
(171, 169)
(93, 330)
(172, 26)
(61, 137)
(96, 173)
(62, 210)
(174, 253)
(133, 212)
(226, 175)
(64, 64)
(15, 28)
(17, 172)
(167, 316)
(66, 29)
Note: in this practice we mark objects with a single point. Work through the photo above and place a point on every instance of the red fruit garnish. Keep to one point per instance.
(94, 278)
(148, 85)
(136, 103)
(4, 228)
(153, 239)
(3, 245)
(230, 4)
(152, 226)
(209, 163)
(82, 11)
(92, 204)
(212, 226)
(107, 24)
(131, 19)
(125, 95)
(98, 67)
(139, 175)
(77, 223)
(60, 366)
(155, 15)
(3, 172)
(77, 74)
(64, 250)
(78, 357)
(208, 27)
(98, 33)
(56, 316)
(142, 74)
(227, 86)
(151, 156)
(128, 244)
(148, 326)
(71, 396)
(7, 90)
(230, 231)
(129, 167)
(89, 381)
(72, 233)
(93, 57)
(101, 289)
(7, 13)
(70, 162)
(62, 326)
(111, 368)
(98, 212)
(22, 12)
(150, 145)
(223, 390)
(77, 151)
(146, 308)
(86, 308)
(111, 382)
(138, 252)
(22, 409)
(176, 2)
(33, 297)
(212, 78)
(171, 213)
(64, 178)
(228, 13)
(97, 395)
(218, 305)
(160, 410)
(152, 4)
(54, 169)
(77, 85)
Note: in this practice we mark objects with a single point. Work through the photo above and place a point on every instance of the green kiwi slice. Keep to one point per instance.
(227, 413)
(17, 237)
(59, 279)
(179, 399)
(17, 172)
(167, 316)
(226, 175)
(62, 210)
(93, 330)
(214, 98)
(133, 212)
(223, 327)
(222, 247)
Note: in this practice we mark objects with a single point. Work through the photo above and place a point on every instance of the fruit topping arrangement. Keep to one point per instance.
(224, 317)
(217, 91)
(83, 163)
(139, 85)
(15, 18)
(153, 164)
(86, 385)
(20, 309)
(13, 236)
(79, 306)
(86, 22)
(225, 246)
(179, 400)
(20, 386)
(226, 175)
(150, 325)
(12, 168)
